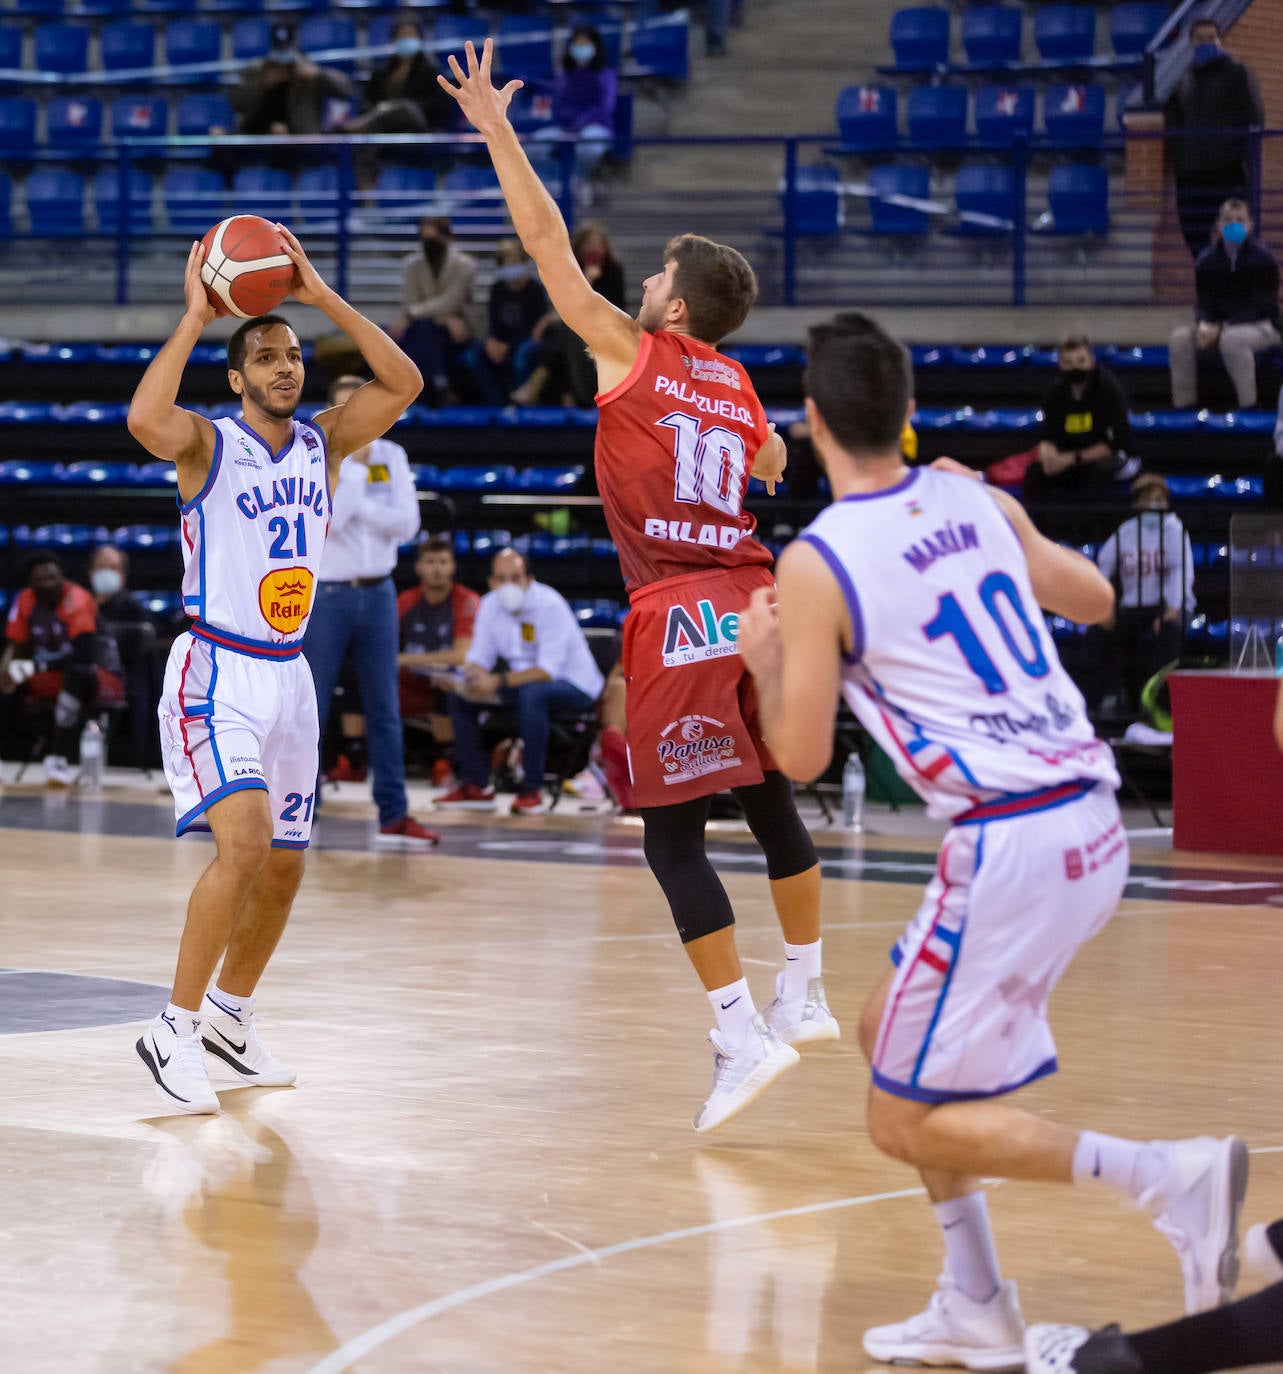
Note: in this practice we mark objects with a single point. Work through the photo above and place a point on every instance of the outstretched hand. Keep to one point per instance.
(199, 306)
(772, 458)
(483, 103)
(308, 287)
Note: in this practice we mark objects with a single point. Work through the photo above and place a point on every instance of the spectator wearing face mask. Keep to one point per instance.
(402, 95)
(435, 325)
(519, 314)
(1236, 279)
(108, 574)
(288, 94)
(127, 646)
(571, 374)
(548, 669)
(584, 98)
(1208, 115)
(1085, 433)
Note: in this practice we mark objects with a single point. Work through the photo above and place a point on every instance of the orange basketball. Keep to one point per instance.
(246, 271)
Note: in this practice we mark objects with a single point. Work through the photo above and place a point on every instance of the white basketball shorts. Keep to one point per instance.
(231, 721)
(1020, 885)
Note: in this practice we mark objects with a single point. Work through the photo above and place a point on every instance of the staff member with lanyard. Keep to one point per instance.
(376, 509)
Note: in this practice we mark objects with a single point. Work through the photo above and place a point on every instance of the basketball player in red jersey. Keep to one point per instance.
(679, 433)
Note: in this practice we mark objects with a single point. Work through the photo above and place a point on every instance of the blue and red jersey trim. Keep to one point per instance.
(254, 648)
(1026, 803)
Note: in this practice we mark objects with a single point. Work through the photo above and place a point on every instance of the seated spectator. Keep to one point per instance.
(287, 94)
(402, 95)
(571, 373)
(1085, 430)
(584, 101)
(547, 668)
(108, 572)
(437, 297)
(1150, 561)
(437, 619)
(127, 634)
(518, 316)
(54, 623)
(1236, 279)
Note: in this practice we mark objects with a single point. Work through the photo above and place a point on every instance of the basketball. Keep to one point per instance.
(246, 271)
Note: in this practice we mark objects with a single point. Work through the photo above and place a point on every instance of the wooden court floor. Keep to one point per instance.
(487, 1166)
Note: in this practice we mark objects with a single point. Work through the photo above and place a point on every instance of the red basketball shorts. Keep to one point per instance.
(693, 726)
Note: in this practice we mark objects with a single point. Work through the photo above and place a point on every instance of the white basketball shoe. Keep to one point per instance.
(742, 1072)
(954, 1330)
(172, 1051)
(802, 1020)
(230, 1036)
(1075, 1350)
(1196, 1207)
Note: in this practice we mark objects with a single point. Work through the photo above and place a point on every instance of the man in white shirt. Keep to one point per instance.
(1150, 560)
(549, 670)
(376, 509)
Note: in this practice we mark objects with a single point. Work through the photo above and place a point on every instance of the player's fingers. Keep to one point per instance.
(470, 52)
(511, 89)
(459, 75)
(770, 488)
(487, 58)
(446, 86)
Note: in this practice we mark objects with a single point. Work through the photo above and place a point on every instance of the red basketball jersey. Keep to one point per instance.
(676, 440)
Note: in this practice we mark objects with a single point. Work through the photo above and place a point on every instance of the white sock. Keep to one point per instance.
(801, 964)
(184, 1022)
(969, 1256)
(230, 1003)
(1131, 1166)
(734, 1009)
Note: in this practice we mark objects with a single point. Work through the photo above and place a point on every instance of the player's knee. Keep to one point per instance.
(772, 816)
(891, 1128)
(284, 871)
(245, 850)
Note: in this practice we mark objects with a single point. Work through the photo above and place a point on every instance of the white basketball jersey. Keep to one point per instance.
(953, 672)
(252, 539)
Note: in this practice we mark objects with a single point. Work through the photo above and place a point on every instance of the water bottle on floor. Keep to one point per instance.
(853, 793)
(93, 758)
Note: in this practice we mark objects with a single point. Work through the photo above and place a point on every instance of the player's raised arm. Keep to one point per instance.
(613, 336)
(373, 409)
(794, 651)
(1064, 582)
(163, 428)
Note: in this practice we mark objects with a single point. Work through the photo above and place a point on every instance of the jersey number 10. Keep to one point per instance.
(951, 622)
(710, 463)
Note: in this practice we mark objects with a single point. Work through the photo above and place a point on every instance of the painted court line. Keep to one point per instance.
(350, 1351)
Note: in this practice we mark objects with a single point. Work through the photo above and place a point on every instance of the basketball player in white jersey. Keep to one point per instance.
(238, 716)
(916, 595)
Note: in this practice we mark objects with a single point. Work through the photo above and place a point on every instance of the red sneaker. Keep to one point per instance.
(442, 773)
(344, 772)
(406, 833)
(614, 764)
(529, 804)
(468, 797)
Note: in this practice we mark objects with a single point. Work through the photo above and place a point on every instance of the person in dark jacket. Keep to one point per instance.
(286, 93)
(1237, 281)
(519, 314)
(1085, 431)
(402, 95)
(1209, 114)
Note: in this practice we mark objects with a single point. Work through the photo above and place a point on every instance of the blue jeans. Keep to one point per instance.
(364, 620)
(497, 380)
(535, 704)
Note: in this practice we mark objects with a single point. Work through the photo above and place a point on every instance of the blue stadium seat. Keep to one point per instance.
(68, 536)
(62, 48)
(127, 45)
(1132, 26)
(251, 39)
(548, 481)
(134, 116)
(195, 199)
(817, 209)
(322, 32)
(22, 472)
(193, 40)
(316, 192)
(1065, 33)
(196, 114)
(900, 220)
(662, 48)
(477, 479)
(103, 8)
(89, 413)
(164, 6)
(17, 127)
(266, 191)
(455, 30)
(866, 118)
(991, 34)
(56, 202)
(379, 30)
(138, 538)
(73, 123)
(1078, 197)
(525, 47)
(92, 473)
(474, 197)
(1074, 116)
(920, 38)
(988, 190)
(1003, 114)
(401, 195)
(936, 116)
(6, 196)
(10, 47)
(107, 201)
(38, 7)
(157, 474)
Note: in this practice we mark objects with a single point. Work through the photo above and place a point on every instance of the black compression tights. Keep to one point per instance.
(674, 844)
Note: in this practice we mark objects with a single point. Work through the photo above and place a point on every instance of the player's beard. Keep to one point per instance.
(268, 403)
(651, 315)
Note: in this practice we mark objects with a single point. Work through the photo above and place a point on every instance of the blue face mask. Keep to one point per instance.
(1205, 53)
(407, 47)
(1234, 234)
(582, 53)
